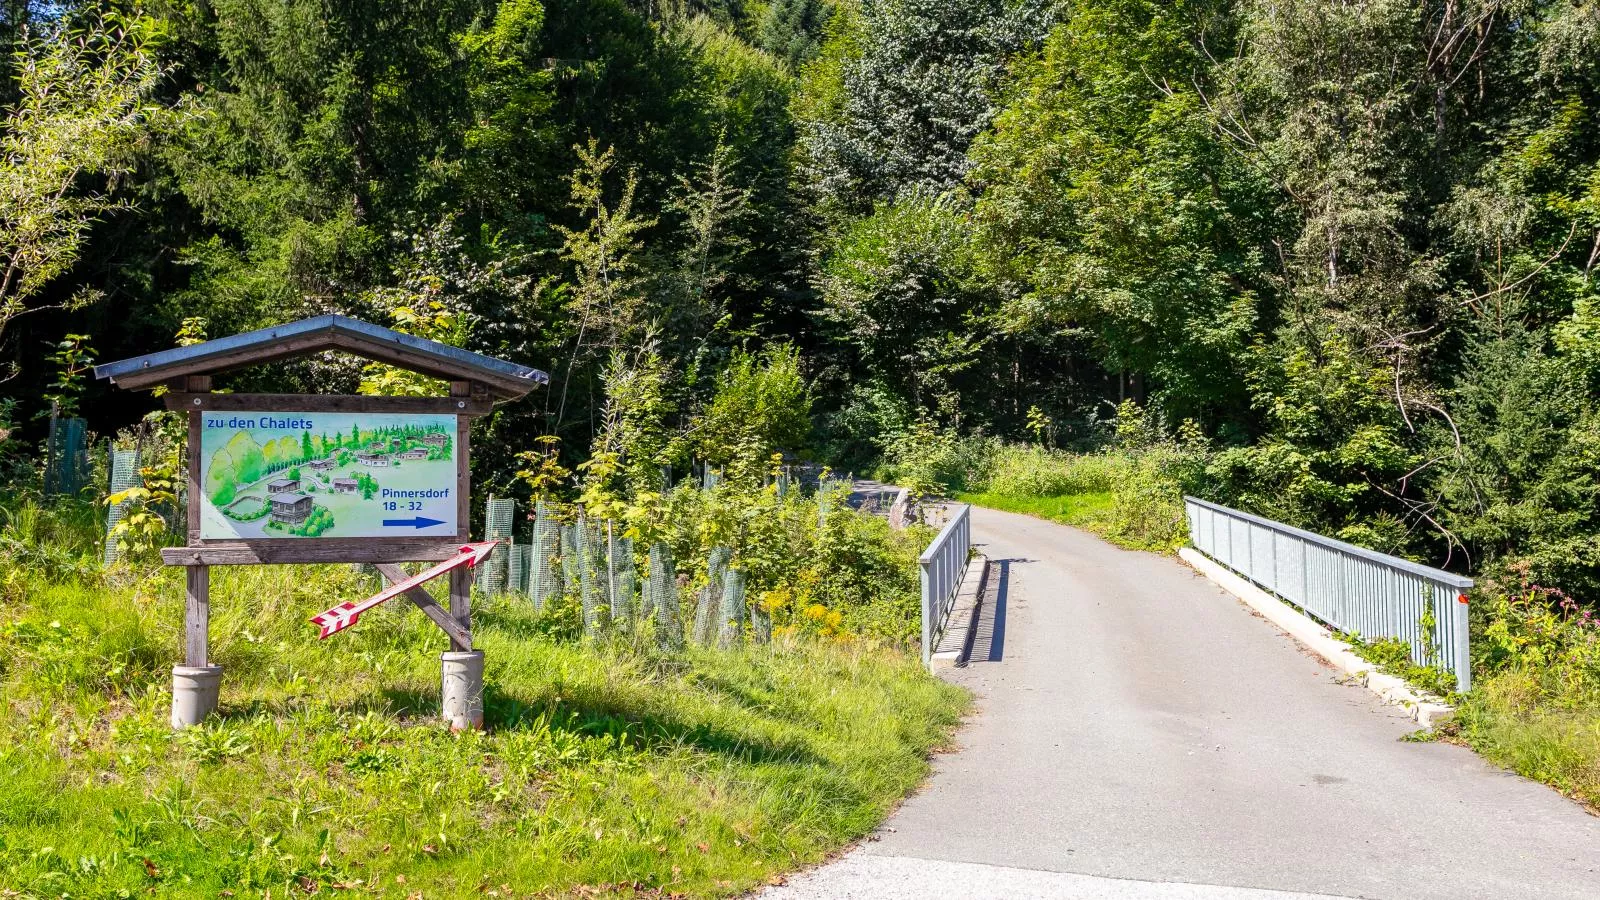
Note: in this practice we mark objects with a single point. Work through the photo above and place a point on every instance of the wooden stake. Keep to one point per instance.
(197, 616)
(461, 606)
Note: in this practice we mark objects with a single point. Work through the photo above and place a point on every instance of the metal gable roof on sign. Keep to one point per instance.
(505, 380)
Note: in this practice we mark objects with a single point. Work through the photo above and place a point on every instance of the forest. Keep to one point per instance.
(1349, 245)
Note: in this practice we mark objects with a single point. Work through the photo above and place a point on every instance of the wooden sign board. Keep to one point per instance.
(318, 478)
(267, 474)
(385, 479)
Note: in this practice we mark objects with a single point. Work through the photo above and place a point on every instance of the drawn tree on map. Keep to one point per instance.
(249, 461)
(320, 520)
(219, 478)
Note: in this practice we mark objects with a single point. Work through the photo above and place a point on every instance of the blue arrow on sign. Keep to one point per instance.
(418, 522)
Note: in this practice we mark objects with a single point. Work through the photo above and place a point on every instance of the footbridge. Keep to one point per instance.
(1142, 733)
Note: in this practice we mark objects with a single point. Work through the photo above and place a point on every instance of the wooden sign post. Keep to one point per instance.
(319, 478)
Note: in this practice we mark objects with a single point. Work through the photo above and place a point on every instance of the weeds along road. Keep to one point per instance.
(1141, 734)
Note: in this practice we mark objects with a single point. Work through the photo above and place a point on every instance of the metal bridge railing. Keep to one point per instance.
(1349, 588)
(943, 565)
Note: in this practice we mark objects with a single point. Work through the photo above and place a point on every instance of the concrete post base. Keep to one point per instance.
(462, 689)
(194, 694)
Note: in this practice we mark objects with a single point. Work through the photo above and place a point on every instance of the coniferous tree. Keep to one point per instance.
(792, 30)
(906, 87)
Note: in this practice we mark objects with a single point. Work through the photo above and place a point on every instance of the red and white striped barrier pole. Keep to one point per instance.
(346, 614)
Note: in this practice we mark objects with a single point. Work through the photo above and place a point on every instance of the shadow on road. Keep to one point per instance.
(989, 636)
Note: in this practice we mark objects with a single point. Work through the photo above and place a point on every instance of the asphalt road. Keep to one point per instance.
(1142, 734)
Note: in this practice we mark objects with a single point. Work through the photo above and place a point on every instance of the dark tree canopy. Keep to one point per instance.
(1355, 246)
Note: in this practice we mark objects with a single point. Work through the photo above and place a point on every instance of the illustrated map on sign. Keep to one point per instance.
(327, 475)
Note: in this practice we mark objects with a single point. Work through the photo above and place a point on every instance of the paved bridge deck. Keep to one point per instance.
(1141, 734)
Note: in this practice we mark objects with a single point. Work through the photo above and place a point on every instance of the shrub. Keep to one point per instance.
(1144, 484)
(761, 405)
(800, 551)
(930, 461)
(1023, 470)
(320, 520)
(1543, 632)
(921, 459)
(48, 541)
(1148, 489)
(1535, 697)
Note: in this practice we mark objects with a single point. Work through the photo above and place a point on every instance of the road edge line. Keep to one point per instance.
(1425, 709)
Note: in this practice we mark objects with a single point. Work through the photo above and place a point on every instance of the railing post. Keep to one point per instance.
(927, 610)
(941, 566)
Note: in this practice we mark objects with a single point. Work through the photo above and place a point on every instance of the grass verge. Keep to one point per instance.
(604, 767)
(1149, 527)
(1393, 656)
(1081, 510)
(1507, 720)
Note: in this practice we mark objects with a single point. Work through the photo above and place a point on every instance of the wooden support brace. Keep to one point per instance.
(197, 616)
(460, 636)
(276, 551)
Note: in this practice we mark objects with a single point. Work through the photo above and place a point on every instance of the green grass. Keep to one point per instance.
(1131, 497)
(704, 773)
(1133, 524)
(1393, 656)
(1512, 719)
(1096, 512)
(1082, 510)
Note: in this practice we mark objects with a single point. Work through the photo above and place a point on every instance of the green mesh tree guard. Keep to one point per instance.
(518, 580)
(646, 597)
(569, 560)
(710, 601)
(730, 618)
(760, 622)
(66, 456)
(543, 579)
(591, 576)
(497, 519)
(830, 494)
(621, 577)
(661, 598)
(124, 475)
(704, 618)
